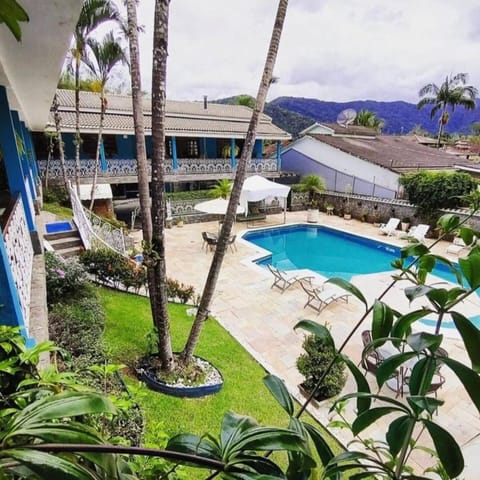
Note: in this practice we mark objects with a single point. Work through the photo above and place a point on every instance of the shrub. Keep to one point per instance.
(65, 279)
(430, 191)
(77, 328)
(180, 291)
(313, 364)
(56, 195)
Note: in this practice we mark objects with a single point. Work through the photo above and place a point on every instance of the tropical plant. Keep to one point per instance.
(227, 151)
(101, 59)
(367, 118)
(11, 14)
(313, 363)
(453, 92)
(430, 191)
(93, 14)
(312, 184)
(222, 189)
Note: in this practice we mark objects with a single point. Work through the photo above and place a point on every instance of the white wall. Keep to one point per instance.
(346, 163)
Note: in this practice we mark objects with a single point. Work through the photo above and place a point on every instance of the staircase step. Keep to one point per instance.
(63, 243)
(70, 252)
(56, 236)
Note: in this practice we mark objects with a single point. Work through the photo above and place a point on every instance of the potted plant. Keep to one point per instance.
(377, 219)
(180, 221)
(364, 215)
(347, 212)
(312, 184)
(405, 222)
(314, 362)
(329, 208)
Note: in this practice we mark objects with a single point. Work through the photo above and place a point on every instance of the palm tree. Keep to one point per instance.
(312, 184)
(155, 253)
(142, 170)
(452, 92)
(222, 189)
(57, 119)
(11, 13)
(210, 284)
(106, 55)
(93, 14)
(367, 118)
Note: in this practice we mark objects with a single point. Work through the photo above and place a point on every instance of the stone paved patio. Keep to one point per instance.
(262, 320)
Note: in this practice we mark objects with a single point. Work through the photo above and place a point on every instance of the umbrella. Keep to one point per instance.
(216, 206)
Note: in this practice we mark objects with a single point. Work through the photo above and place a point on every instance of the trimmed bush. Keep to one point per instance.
(313, 364)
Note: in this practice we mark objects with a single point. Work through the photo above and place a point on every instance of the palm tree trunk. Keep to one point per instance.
(57, 119)
(77, 122)
(441, 127)
(210, 284)
(99, 143)
(156, 258)
(142, 167)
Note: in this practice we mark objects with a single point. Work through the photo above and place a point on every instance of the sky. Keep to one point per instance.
(334, 50)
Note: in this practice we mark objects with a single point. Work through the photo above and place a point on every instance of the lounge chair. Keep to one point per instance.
(390, 227)
(371, 358)
(458, 245)
(283, 280)
(231, 242)
(418, 232)
(320, 297)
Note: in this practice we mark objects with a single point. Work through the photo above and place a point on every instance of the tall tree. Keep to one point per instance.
(58, 120)
(142, 167)
(102, 58)
(367, 118)
(210, 284)
(93, 14)
(451, 93)
(156, 251)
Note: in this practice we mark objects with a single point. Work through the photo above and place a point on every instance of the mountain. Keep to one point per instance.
(400, 117)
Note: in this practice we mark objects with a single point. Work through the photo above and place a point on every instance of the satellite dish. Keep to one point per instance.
(346, 117)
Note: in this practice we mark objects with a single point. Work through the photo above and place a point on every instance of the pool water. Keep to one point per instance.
(58, 227)
(449, 323)
(329, 252)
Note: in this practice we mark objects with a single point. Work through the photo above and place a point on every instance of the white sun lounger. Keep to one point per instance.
(320, 297)
(418, 232)
(390, 227)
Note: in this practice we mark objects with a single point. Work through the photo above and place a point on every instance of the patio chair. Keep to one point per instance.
(320, 297)
(458, 245)
(231, 243)
(371, 358)
(390, 227)
(418, 232)
(283, 280)
(209, 241)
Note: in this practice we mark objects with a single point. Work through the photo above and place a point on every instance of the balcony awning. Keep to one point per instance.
(102, 191)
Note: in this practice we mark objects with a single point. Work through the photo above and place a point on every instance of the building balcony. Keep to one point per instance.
(125, 170)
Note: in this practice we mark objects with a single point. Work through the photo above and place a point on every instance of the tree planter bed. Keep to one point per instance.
(214, 384)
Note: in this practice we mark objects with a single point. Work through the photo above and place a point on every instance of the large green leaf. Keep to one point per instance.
(414, 250)
(416, 291)
(48, 466)
(11, 13)
(233, 427)
(438, 296)
(63, 405)
(470, 267)
(320, 330)
(321, 444)
(471, 338)
(399, 432)
(403, 325)
(363, 403)
(194, 445)
(419, 403)
(448, 222)
(382, 320)
(264, 468)
(389, 366)
(447, 448)
(278, 389)
(421, 376)
(469, 378)
(300, 465)
(422, 340)
(349, 287)
(365, 419)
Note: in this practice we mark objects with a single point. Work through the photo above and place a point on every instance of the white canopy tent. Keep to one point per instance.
(257, 188)
(216, 206)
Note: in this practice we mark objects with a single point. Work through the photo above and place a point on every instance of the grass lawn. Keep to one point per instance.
(59, 210)
(128, 321)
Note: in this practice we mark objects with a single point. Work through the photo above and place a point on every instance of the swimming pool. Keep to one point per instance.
(327, 251)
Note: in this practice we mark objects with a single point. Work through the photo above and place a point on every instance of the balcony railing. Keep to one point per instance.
(128, 167)
(20, 253)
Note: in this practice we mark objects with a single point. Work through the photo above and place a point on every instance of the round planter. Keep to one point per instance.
(347, 216)
(312, 216)
(179, 390)
(405, 226)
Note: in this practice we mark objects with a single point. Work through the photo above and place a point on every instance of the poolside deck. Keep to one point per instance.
(262, 320)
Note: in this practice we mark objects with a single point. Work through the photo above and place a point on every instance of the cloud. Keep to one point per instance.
(329, 50)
